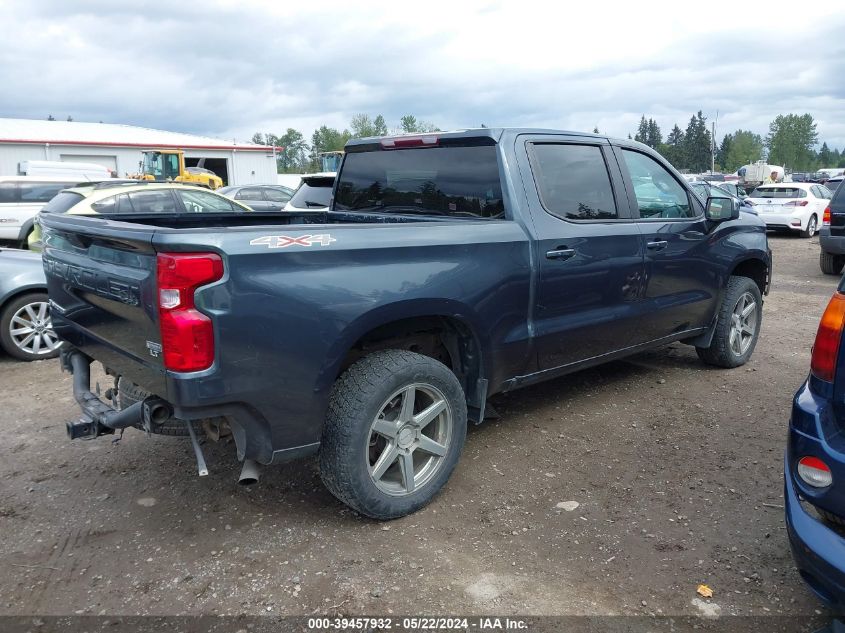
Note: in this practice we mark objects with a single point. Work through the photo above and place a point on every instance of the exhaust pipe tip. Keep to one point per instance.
(250, 473)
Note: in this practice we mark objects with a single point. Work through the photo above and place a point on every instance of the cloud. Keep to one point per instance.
(229, 69)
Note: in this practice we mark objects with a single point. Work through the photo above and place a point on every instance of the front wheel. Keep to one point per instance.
(812, 225)
(737, 326)
(393, 434)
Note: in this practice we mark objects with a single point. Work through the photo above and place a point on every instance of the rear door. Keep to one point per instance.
(276, 198)
(681, 278)
(590, 257)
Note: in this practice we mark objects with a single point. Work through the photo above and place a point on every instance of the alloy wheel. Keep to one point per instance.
(32, 330)
(409, 439)
(743, 324)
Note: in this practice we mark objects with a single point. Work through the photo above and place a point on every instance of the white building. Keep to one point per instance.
(118, 147)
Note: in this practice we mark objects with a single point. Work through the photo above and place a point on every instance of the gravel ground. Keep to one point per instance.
(664, 468)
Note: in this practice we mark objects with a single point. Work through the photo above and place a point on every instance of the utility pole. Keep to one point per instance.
(713, 149)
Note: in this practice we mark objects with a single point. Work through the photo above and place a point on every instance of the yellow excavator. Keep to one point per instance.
(168, 165)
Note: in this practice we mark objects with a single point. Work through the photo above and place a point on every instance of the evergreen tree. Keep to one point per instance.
(596, 130)
(697, 144)
(723, 151)
(746, 148)
(654, 138)
(673, 149)
(642, 131)
(825, 156)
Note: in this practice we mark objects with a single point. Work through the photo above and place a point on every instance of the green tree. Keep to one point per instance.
(723, 150)
(596, 130)
(825, 156)
(746, 147)
(327, 139)
(410, 125)
(293, 152)
(362, 125)
(697, 144)
(654, 138)
(673, 148)
(791, 140)
(642, 131)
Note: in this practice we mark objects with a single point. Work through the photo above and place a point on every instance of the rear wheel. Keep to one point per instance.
(26, 331)
(812, 225)
(831, 264)
(737, 326)
(394, 431)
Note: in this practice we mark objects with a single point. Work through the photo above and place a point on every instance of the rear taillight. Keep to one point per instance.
(187, 335)
(826, 347)
(796, 203)
(814, 472)
(826, 217)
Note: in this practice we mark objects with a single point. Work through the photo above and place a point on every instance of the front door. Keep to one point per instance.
(590, 256)
(682, 277)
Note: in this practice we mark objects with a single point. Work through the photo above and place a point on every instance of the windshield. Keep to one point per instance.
(444, 181)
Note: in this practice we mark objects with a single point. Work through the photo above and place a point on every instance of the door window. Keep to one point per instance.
(8, 192)
(276, 195)
(205, 202)
(657, 192)
(573, 182)
(250, 193)
(150, 202)
(41, 191)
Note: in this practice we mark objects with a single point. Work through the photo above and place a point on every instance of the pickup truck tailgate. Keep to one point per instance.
(101, 278)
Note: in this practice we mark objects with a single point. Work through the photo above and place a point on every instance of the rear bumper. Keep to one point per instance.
(834, 244)
(819, 552)
(99, 418)
(793, 221)
(818, 549)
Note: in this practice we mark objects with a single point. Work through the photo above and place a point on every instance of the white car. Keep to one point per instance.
(794, 206)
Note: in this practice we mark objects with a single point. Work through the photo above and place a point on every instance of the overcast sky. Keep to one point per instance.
(230, 68)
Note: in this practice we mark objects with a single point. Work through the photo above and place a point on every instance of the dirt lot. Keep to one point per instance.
(671, 464)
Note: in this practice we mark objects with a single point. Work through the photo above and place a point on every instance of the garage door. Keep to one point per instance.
(109, 162)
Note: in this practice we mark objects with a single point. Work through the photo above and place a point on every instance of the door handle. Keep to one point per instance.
(560, 253)
(657, 245)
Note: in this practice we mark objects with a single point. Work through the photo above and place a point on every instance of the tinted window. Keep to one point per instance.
(106, 206)
(658, 194)
(446, 181)
(276, 195)
(196, 201)
(149, 202)
(573, 181)
(778, 192)
(250, 193)
(313, 194)
(62, 202)
(41, 191)
(8, 192)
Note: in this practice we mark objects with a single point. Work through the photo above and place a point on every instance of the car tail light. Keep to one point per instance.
(814, 472)
(428, 140)
(797, 203)
(187, 335)
(826, 217)
(826, 347)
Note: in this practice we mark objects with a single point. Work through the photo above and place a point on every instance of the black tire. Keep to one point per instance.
(357, 399)
(129, 393)
(720, 352)
(831, 264)
(812, 227)
(6, 314)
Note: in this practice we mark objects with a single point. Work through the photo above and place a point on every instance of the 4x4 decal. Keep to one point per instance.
(283, 241)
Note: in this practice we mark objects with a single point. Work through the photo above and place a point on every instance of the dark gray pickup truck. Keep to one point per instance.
(449, 267)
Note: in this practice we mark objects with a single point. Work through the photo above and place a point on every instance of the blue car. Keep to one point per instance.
(814, 468)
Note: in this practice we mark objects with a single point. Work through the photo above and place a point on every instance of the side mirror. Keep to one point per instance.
(719, 209)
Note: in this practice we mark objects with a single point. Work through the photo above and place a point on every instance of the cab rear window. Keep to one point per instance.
(454, 181)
